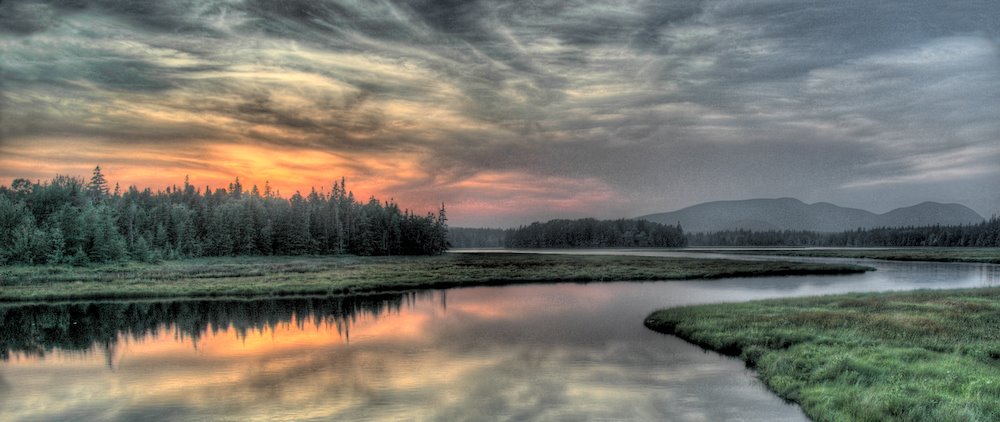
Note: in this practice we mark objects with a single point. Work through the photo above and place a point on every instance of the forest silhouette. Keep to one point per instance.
(67, 220)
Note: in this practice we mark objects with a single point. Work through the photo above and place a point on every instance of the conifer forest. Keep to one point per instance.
(70, 220)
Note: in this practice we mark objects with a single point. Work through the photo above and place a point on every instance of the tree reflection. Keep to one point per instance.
(38, 329)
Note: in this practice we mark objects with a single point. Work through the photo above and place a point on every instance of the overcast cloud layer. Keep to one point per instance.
(514, 111)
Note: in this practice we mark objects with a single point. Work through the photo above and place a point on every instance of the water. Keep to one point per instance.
(543, 352)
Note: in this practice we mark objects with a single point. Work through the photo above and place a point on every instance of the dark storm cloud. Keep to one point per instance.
(665, 103)
(26, 18)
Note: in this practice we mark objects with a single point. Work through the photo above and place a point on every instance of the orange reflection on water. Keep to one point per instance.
(303, 333)
(493, 304)
(308, 367)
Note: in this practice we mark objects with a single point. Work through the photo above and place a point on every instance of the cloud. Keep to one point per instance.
(662, 105)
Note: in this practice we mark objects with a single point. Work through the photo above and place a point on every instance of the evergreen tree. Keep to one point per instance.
(56, 246)
(98, 187)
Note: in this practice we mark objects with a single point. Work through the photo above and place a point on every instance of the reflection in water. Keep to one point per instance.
(565, 351)
(35, 330)
(557, 351)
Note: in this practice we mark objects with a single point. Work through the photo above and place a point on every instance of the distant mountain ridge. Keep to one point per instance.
(793, 214)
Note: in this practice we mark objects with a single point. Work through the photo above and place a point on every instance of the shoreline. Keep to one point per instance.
(918, 254)
(848, 356)
(248, 277)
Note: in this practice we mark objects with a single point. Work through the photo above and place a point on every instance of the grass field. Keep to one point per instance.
(272, 276)
(925, 355)
(984, 255)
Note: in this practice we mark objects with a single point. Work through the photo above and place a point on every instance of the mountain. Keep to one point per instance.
(929, 213)
(792, 214)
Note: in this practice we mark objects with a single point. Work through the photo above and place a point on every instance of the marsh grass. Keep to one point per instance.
(925, 355)
(339, 275)
(984, 255)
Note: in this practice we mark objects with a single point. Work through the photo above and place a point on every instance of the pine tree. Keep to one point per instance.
(236, 189)
(98, 187)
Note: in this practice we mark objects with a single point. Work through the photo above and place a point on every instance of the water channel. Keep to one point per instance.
(525, 352)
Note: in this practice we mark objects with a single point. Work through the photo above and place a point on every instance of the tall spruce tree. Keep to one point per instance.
(98, 187)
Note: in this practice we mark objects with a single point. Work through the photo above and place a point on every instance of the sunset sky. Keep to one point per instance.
(513, 111)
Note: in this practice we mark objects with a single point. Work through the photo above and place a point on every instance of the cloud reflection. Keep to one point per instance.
(524, 352)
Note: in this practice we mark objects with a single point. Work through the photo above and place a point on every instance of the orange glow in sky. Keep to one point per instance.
(508, 113)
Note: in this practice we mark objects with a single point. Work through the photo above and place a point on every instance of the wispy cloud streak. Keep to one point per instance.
(617, 108)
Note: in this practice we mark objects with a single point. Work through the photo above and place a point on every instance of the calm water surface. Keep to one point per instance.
(548, 352)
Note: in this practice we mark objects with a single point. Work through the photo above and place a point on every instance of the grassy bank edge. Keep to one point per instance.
(337, 276)
(972, 255)
(808, 365)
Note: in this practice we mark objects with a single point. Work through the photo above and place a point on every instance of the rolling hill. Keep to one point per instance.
(793, 214)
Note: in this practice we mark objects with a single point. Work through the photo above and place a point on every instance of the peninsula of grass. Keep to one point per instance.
(347, 275)
(924, 355)
(982, 255)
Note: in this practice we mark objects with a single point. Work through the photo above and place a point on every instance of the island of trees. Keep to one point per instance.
(67, 220)
(581, 233)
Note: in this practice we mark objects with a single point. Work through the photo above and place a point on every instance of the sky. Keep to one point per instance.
(513, 111)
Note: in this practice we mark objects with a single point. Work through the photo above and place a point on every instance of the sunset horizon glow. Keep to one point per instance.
(510, 112)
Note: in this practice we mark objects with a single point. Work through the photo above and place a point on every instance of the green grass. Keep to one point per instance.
(985, 255)
(924, 355)
(340, 275)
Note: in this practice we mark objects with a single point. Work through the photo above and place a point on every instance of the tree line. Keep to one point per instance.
(67, 220)
(592, 233)
(985, 234)
(585, 233)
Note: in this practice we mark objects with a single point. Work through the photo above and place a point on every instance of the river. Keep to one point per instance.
(525, 352)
